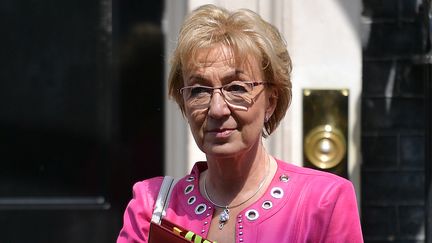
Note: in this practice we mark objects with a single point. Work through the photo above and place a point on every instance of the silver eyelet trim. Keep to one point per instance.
(277, 192)
(188, 189)
(252, 214)
(191, 200)
(267, 205)
(284, 178)
(190, 179)
(200, 209)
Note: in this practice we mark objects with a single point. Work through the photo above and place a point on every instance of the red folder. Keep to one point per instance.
(168, 232)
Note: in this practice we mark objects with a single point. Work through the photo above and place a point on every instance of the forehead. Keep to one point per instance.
(222, 58)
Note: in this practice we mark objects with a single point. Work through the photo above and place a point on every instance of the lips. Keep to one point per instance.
(219, 129)
(221, 132)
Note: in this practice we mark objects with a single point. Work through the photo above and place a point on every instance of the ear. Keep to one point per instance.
(272, 97)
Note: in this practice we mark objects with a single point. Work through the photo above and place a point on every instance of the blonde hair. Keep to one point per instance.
(246, 33)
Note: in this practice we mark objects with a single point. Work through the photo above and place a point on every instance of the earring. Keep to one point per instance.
(266, 119)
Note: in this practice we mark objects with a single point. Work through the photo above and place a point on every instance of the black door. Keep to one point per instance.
(80, 115)
(428, 155)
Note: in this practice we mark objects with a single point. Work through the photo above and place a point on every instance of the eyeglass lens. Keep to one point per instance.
(235, 93)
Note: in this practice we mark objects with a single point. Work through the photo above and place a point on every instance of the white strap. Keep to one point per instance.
(162, 200)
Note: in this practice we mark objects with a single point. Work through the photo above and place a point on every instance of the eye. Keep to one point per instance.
(238, 88)
(197, 91)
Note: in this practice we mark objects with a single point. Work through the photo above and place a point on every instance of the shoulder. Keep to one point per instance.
(148, 186)
(315, 181)
(320, 193)
(310, 174)
(144, 193)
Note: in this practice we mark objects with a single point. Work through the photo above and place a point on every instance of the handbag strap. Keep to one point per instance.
(162, 200)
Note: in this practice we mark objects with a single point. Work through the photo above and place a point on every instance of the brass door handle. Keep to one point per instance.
(325, 146)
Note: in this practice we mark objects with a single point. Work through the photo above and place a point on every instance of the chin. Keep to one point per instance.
(222, 150)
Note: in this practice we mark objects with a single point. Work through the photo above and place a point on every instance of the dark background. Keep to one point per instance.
(81, 115)
(396, 121)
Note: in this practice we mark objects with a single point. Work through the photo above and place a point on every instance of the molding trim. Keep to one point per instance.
(176, 130)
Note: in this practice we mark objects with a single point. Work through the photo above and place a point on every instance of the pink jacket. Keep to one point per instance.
(300, 205)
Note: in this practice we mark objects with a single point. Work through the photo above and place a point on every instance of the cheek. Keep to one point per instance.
(252, 122)
(196, 120)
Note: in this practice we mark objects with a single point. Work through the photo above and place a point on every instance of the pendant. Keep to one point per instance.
(223, 218)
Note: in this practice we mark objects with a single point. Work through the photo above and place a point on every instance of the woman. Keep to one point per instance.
(231, 78)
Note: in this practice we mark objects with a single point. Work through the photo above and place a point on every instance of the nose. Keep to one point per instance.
(218, 107)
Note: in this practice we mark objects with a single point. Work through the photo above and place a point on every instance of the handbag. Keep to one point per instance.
(162, 230)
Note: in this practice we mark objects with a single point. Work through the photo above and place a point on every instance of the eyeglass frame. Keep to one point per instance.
(221, 88)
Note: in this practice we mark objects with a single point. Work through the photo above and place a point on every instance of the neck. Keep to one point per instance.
(232, 180)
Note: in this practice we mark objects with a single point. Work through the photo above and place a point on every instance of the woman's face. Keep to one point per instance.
(221, 129)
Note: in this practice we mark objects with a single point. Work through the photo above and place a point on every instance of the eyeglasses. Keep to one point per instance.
(237, 94)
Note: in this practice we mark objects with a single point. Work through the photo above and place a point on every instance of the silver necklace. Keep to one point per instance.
(224, 215)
